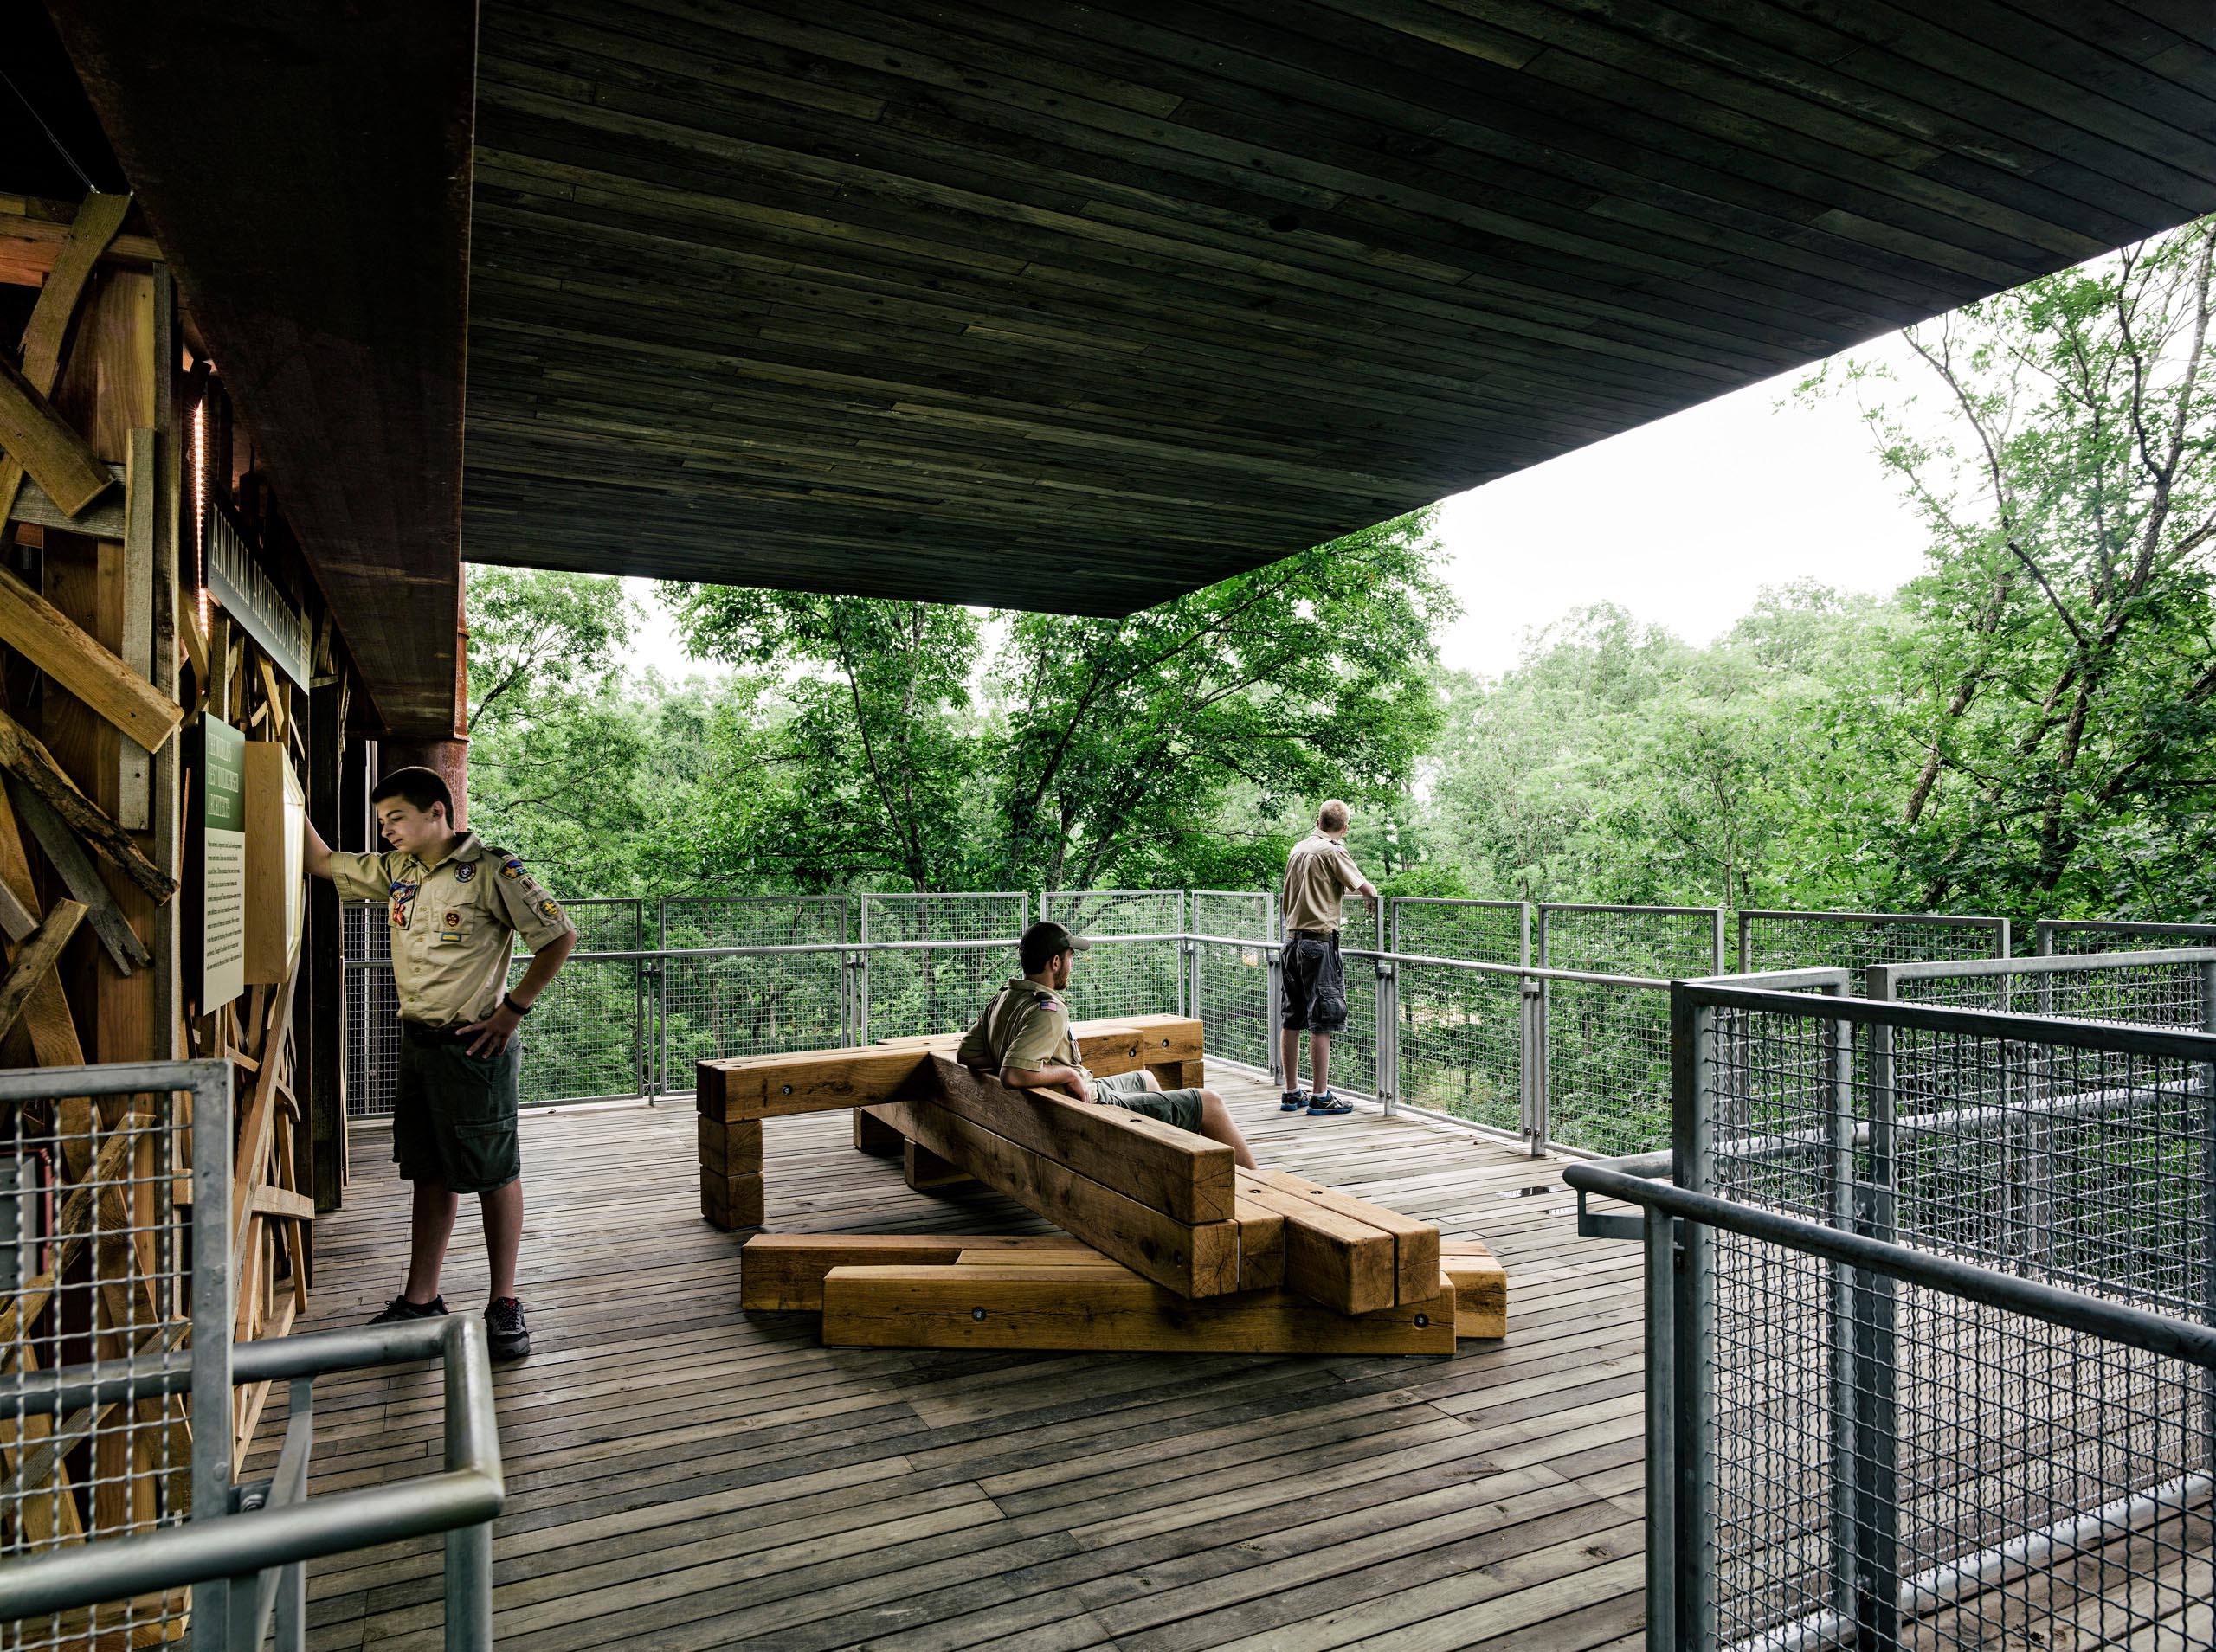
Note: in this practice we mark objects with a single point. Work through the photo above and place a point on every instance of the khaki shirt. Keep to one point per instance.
(1026, 1026)
(452, 924)
(1318, 874)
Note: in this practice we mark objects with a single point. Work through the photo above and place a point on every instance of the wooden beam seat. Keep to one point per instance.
(1051, 1291)
(734, 1096)
(784, 1271)
(1014, 1301)
(1156, 1199)
(815, 1081)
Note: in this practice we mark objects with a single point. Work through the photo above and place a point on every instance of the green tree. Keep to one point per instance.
(554, 737)
(864, 773)
(1127, 740)
(2058, 701)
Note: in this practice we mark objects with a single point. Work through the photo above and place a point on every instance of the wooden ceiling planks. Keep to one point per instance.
(1045, 305)
(306, 170)
(1033, 303)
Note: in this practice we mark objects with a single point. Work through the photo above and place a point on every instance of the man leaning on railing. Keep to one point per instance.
(1319, 874)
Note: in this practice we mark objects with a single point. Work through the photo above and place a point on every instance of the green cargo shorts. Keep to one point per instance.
(454, 1115)
(1179, 1107)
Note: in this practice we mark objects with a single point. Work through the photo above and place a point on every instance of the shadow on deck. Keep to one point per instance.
(682, 1474)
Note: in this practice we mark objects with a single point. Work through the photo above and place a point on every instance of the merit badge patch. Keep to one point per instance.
(512, 867)
(465, 872)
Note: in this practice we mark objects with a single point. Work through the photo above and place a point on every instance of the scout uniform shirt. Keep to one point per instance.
(451, 924)
(1026, 1026)
(1318, 874)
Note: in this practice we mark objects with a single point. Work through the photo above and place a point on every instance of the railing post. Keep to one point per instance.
(1388, 1036)
(1532, 1062)
(1865, 1469)
(2208, 1204)
(1272, 1010)
(661, 998)
(1662, 1466)
(1692, 1131)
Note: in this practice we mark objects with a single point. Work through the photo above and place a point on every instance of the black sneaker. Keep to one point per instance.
(509, 1337)
(1292, 1100)
(399, 1310)
(1325, 1105)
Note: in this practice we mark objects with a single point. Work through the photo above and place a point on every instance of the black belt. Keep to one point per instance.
(424, 1032)
(1311, 935)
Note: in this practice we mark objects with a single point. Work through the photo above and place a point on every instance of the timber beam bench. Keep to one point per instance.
(1052, 1292)
(1170, 1246)
(734, 1096)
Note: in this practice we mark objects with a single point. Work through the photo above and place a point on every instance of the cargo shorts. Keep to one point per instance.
(1315, 990)
(1179, 1107)
(454, 1115)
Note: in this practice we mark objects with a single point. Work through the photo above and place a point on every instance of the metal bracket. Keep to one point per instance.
(1603, 1225)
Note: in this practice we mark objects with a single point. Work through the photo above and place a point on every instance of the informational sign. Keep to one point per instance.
(252, 599)
(276, 823)
(221, 951)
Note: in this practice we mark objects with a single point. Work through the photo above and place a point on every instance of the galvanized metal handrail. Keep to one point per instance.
(243, 1547)
(461, 1501)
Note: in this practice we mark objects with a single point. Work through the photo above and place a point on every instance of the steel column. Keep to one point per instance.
(1692, 1129)
(1662, 1465)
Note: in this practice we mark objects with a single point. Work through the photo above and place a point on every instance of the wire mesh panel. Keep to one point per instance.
(1134, 978)
(1886, 1453)
(1461, 1038)
(1607, 1047)
(932, 989)
(1231, 983)
(2168, 988)
(94, 1259)
(1854, 941)
(2107, 934)
(752, 1004)
(372, 1011)
(586, 1037)
(1461, 1043)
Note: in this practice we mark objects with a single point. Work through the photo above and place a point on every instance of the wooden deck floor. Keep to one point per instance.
(685, 1476)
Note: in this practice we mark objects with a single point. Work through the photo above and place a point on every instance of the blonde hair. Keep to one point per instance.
(1332, 817)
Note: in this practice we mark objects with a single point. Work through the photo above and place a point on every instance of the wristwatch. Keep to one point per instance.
(508, 1002)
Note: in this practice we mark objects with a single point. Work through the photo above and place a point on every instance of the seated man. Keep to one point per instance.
(1024, 1036)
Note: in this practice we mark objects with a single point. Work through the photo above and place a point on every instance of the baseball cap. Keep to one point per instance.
(1045, 939)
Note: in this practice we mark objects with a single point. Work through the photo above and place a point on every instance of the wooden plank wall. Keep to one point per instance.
(116, 603)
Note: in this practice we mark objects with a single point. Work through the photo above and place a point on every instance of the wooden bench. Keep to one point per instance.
(734, 1096)
(1052, 1292)
(1170, 1246)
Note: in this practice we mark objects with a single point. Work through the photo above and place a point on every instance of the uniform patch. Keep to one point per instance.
(512, 867)
(465, 872)
(452, 920)
(402, 892)
(400, 910)
(551, 908)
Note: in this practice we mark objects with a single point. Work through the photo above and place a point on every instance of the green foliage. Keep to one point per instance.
(1186, 743)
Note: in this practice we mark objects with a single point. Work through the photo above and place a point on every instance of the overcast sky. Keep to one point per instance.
(1682, 522)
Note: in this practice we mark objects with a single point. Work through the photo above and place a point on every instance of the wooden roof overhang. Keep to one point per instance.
(1075, 307)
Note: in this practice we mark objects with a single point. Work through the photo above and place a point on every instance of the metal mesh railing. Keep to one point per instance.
(1230, 985)
(1607, 1055)
(2117, 935)
(1889, 1459)
(715, 1008)
(94, 1257)
(1462, 1034)
(1854, 941)
(935, 988)
(1123, 977)
(2170, 988)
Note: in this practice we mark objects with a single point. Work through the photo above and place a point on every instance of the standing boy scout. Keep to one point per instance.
(454, 907)
(1024, 1036)
(1319, 874)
